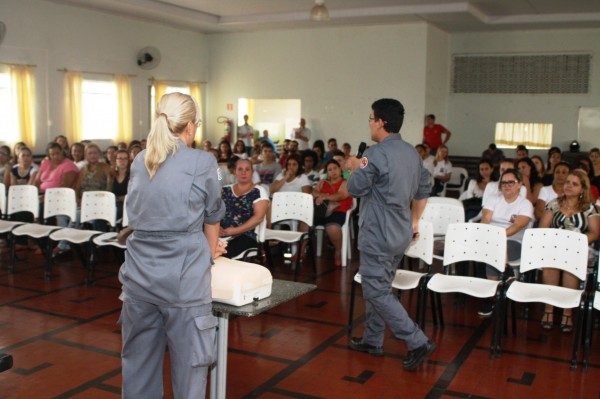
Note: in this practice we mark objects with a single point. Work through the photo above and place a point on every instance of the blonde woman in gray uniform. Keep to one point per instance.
(174, 207)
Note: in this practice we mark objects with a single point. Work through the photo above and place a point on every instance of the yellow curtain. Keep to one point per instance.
(196, 93)
(160, 88)
(73, 106)
(529, 134)
(124, 112)
(23, 93)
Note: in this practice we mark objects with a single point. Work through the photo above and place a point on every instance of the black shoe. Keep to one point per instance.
(357, 345)
(6, 362)
(486, 310)
(417, 356)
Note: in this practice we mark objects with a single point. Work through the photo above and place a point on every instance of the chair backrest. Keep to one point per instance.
(260, 230)
(442, 211)
(458, 178)
(23, 198)
(292, 206)
(60, 201)
(2, 200)
(555, 248)
(422, 248)
(475, 242)
(99, 205)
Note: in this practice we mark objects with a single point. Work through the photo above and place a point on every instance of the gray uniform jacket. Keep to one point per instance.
(390, 176)
(168, 258)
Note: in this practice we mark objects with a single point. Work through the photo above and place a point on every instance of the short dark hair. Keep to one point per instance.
(432, 116)
(309, 154)
(296, 157)
(492, 146)
(391, 112)
(331, 140)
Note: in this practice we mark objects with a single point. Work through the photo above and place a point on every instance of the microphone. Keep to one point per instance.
(361, 148)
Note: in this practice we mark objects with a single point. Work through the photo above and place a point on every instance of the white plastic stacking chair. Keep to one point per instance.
(291, 206)
(458, 180)
(442, 211)
(95, 205)
(405, 280)
(2, 200)
(559, 249)
(110, 238)
(480, 243)
(57, 201)
(346, 236)
(23, 198)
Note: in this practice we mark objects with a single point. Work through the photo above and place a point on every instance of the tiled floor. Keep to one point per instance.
(65, 342)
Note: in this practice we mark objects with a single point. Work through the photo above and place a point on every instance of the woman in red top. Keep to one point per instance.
(333, 189)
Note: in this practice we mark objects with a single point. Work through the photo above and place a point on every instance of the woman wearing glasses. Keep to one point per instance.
(573, 210)
(514, 213)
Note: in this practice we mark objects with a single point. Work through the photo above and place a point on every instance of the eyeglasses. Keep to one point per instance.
(371, 118)
(508, 183)
(122, 159)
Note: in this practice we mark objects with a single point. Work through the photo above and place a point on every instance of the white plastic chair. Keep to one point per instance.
(95, 205)
(290, 206)
(593, 303)
(442, 211)
(57, 201)
(23, 198)
(110, 238)
(480, 243)
(405, 280)
(2, 200)
(252, 252)
(559, 249)
(458, 180)
(346, 236)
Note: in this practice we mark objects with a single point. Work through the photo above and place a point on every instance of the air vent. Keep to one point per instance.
(522, 74)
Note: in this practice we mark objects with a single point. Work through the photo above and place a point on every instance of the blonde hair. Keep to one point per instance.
(173, 112)
(585, 198)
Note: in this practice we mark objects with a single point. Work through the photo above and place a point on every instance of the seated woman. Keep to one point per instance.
(77, 155)
(473, 195)
(333, 189)
(225, 153)
(574, 211)
(120, 179)
(554, 157)
(531, 180)
(292, 178)
(24, 170)
(548, 193)
(442, 170)
(309, 161)
(512, 212)
(245, 208)
(239, 150)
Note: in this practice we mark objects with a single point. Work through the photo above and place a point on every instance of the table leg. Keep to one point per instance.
(218, 375)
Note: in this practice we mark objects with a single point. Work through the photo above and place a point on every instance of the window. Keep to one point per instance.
(8, 109)
(533, 135)
(99, 109)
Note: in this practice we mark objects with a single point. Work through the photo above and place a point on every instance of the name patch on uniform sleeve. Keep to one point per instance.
(364, 162)
(219, 175)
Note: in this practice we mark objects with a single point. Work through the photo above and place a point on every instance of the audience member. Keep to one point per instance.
(302, 135)
(134, 149)
(24, 171)
(573, 211)
(554, 157)
(555, 190)
(512, 212)
(207, 145)
(5, 162)
(432, 134)
(77, 155)
(332, 149)
(239, 150)
(309, 161)
(346, 149)
(521, 152)
(442, 170)
(245, 208)
(493, 154)
(529, 178)
(333, 189)
(319, 148)
(292, 178)
(595, 170)
(246, 134)
(493, 190)
(539, 167)
(268, 169)
(120, 179)
(110, 155)
(64, 145)
(473, 195)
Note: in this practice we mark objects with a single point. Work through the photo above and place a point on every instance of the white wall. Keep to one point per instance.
(472, 117)
(437, 78)
(336, 72)
(54, 36)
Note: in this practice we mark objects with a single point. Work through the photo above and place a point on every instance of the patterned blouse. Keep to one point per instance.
(239, 209)
(577, 222)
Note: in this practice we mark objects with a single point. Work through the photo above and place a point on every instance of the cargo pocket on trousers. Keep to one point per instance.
(204, 341)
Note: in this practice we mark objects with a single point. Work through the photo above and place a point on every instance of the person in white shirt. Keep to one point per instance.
(292, 178)
(556, 189)
(512, 212)
(442, 170)
(246, 134)
(492, 190)
(302, 135)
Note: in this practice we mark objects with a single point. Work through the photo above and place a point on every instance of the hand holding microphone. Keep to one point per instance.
(353, 162)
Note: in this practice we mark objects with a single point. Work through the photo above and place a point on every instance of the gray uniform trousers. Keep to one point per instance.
(382, 306)
(190, 333)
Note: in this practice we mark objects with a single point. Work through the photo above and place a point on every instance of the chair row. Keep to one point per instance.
(541, 248)
(60, 202)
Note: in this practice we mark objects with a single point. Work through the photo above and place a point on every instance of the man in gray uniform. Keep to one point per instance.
(393, 186)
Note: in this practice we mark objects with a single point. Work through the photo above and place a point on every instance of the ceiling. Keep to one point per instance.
(213, 16)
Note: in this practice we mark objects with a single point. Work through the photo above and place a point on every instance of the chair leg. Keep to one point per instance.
(92, 259)
(269, 256)
(13, 255)
(589, 325)
(440, 313)
(578, 335)
(351, 311)
(48, 268)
